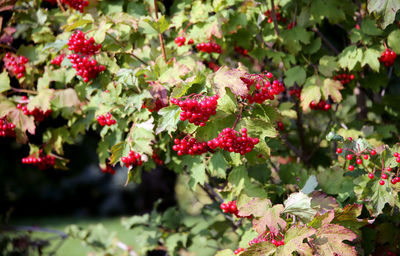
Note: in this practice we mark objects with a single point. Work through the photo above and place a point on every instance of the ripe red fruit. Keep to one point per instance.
(349, 138)
(373, 152)
(85, 67)
(344, 78)
(339, 150)
(15, 65)
(398, 159)
(262, 86)
(76, 4)
(396, 154)
(180, 40)
(371, 176)
(229, 140)
(359, 161)
(389, 169)
(384, 176)
(190, 41)
(351, 168)
(388, 57)
(381, 182)
(365, 157)
(133, 158)
(7, 128)
(79, 44)
(349, 157)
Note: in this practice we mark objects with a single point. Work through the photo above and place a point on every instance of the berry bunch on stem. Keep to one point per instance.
(241, 50)
(262, 87)
(42, 162)
(197, 108)
(7, 129)
(388, 57)
(229, 140)
(38, 114)
(295, 92)
(238, 250)
(108, 169)
(209, 47)
(76, 4)
(277, 240)
(85, 67)
(106, 120)
(278, 14)
(231, 208)
(344, 78)
(79, 44)
(15, 65)
(321, 105)
(133, 159)
(58, 60)
(190, 146)
(157, 158)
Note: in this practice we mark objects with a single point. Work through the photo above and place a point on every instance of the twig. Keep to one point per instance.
(326, 41)
(115, 39)
(139, 59)
(273, 14)
(60, 5)
(290, 145)
(160, 34)
(239, 116)
(23, 90)
(300, 130)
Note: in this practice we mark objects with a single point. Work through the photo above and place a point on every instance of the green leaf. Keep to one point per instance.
(308, 94)
(393, 40)
(299, 204)
(173, 240)
(293, 75)
(332, 88)
(226, 252)
(133, 221)
(218, 165)
(142, 135)
(41, 100)
(368, 27)
(228, 103)
(310, 185)
(323, 203)
(350, 57)
(260, 249)
(196, 169)
(386, 8)
(169, 119)
(226, 77)
(348, 217)
(119, 150)
(329, 240)
(76, 24)
(371, 58)
(293, 37)
(327, 65)
(4, 82)
(294, 241)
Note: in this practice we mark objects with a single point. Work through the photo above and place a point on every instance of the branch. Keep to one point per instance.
(239, 116)
(300, 130)
(23, 90)
(61, 7)
(160, 34)
(273, 14)
(290, 145)
(326, 41)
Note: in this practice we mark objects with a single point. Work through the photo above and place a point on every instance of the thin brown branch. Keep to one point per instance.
(300, 131)
(160, 34)
(60, 5)
(23, 90)
(273, 14)
(326, 41)
(239, 116)
(291, 146)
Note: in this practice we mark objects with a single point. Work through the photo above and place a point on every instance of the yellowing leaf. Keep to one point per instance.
(294, 238)
(4, 82)
(226, 77)
(329, 240)
(308, 94)
(66, 98)
(332, 88)
(272, 220)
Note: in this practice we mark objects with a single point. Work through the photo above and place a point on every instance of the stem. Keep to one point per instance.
(361, 103)
(60, 5)
(160, 34)
(291, 146)
(300, 130)
(239, 116)
(115, 39)
(273, 14)
(139, 59)
(24, 90)
(326, 41)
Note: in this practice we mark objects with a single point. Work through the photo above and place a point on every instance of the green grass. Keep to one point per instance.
(72, 247)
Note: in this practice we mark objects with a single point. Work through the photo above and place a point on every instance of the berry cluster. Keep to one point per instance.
(190, 146)
(295, 92)
(263, 89)
(229, 141)
(211, 65)
(15, 65)
(38, 114)
(197, 112)
(388, 57)
(280, 126)
(108, 169)
(133, 158)
(180, 40)
(106, 120)
(240, 50)
(209, 47)
(321, 105)
(57, 60)
(85, 67)
(157, 159)
(344, 78)
(76, 4)
(42, 162)
(291, 25)
(268, 15)
(7, 129)
(277, 240)
(231, 208)
(238, 250)
(79, 44)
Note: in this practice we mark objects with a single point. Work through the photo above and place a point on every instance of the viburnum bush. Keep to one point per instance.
(225, 94)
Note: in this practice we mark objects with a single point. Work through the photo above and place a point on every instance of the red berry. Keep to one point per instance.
(359, 161)
(365, 157)
(349, 157)
(373, 152)
(351, 168)
(381, 182)
(371, 175)
(339, 150)
(384, 176)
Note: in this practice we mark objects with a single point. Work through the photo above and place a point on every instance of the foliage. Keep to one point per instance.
(297, 190)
